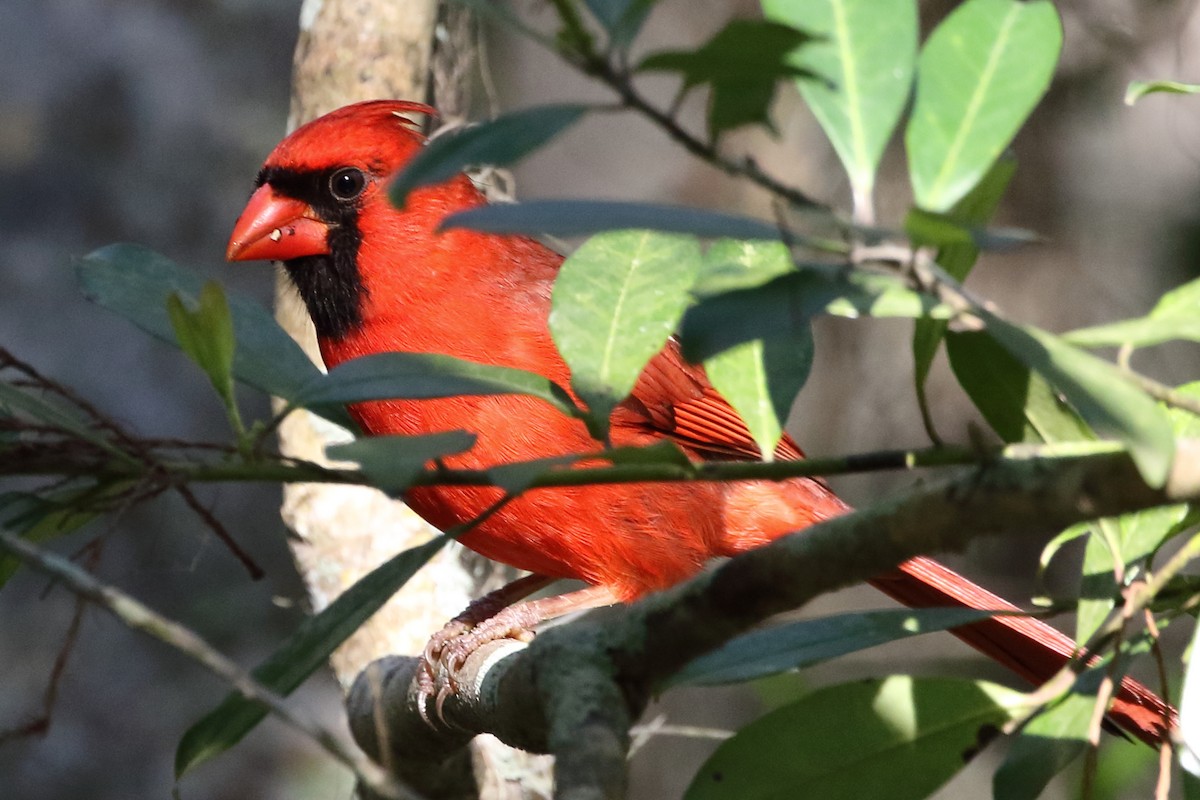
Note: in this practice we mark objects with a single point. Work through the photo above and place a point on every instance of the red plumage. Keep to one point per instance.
(487, 298)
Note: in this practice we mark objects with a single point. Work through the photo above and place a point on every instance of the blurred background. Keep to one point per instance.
(146, 120)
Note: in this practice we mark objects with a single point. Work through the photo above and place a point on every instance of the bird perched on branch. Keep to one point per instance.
(377, 278)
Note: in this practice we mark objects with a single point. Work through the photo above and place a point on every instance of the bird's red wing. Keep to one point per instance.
(673, 398)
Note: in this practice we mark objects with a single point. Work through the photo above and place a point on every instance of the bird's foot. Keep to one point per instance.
(447, 651)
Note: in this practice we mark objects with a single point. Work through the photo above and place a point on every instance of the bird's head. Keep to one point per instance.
(311, 197)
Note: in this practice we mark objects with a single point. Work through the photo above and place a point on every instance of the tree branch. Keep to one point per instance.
(140, 617)
(575, 690)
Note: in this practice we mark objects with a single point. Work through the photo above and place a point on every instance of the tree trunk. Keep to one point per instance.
(351, 50)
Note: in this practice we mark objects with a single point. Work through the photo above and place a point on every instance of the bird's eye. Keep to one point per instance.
(347, 183)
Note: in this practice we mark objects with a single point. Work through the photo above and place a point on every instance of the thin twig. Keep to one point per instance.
(140, 617)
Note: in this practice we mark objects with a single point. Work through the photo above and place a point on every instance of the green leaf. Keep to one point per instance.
(1017, 402)
(783, 307)
(1046, 746)
(48, 515)
(392, 462)
(14, 400)
(1139, 89)
(1130, 539)
(731, 264)
(499, 142)
(867, 50)
(621, 18)
(811, 641)
(304, 652)
(585, 217)
(741, 63)
(898, 738)
(759, 378)
(1111, 405)
(957, 258)
(615, 302)
(205, 334)
(423, 376)
(1173, 317)
(978, 77)
(135, 282)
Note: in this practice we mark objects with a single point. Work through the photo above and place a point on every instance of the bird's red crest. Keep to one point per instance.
(373, 132)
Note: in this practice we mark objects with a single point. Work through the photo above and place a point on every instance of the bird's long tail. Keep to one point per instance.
(1028, 646)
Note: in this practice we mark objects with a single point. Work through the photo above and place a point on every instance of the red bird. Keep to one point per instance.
(377, 278)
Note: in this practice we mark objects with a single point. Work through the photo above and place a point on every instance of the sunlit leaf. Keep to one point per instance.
(867, 50)
(731, 264)
(1046, 746)
(615, 302)
(759, 378)
(1139, 89)
(979, 76)
(205, 334)
(1173, 317)
(1111, 405)
(898, 738)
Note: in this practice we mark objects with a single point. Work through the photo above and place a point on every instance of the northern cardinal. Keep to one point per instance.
(376, 278)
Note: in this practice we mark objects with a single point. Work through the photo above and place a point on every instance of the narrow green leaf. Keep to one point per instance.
(499, 142)
(978, 77)
(898, 738)
(205, 334)
(785, 305)
(811, 641)
(297, 658)
(14, 400)
(48, 515)
(615, 302)
(1173, 317)
(1139, 89)
(135, 283)
(392, 462)
(1111, 405)
(867, 50)
(741, 63)
(585, 217)
(1046, 746)
(423, 376)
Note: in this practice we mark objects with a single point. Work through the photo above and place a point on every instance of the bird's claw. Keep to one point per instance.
(446, 654)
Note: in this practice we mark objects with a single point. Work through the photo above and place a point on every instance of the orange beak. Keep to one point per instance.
(276, 228)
